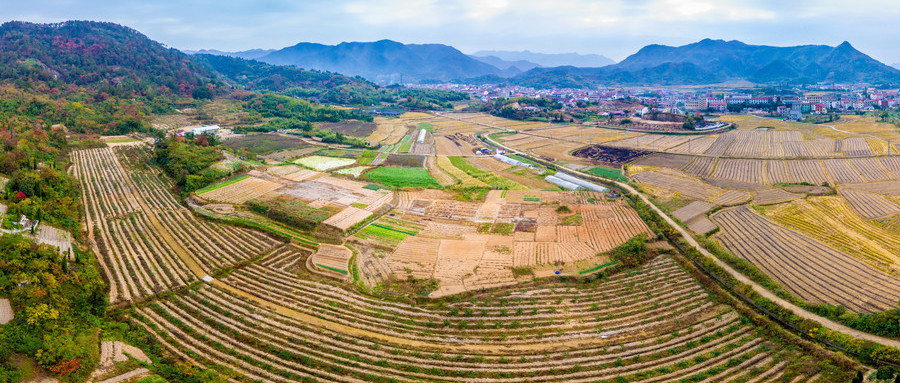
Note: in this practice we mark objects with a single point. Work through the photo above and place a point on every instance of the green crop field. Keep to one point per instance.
(491, 179)
(403, 177)
(615, 174)
(382, 235)
(427, 126)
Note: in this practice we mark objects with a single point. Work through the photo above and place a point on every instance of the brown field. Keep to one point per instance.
(869, 205)
(445, 146)
(695, 145)
(701, 166)
(809, 268)
(441, 176)
(870, 169)
(331, 256)
(687, 187)
(731, 197)
(538, 238)
(810, 171)
(242, 191)
(840, 171)
(774, 196)
(664, 160)
(751, 171)
(348, 217)
(887, 188)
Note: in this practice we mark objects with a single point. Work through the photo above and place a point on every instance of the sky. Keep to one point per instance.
(613, 28)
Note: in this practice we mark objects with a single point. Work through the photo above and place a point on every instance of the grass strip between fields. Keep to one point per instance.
(598, 267)
(222, 184)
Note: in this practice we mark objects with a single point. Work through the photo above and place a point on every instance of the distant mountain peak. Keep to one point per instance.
(711, 61)
(845, 45)
(384, 61)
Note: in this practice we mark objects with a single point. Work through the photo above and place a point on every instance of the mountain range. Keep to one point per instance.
(384, 61)
(387, 61)
(108, 54)
(716, 61)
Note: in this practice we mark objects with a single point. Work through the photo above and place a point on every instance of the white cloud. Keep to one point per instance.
(612, 27)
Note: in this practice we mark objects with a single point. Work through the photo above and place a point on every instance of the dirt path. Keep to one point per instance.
(824, 322)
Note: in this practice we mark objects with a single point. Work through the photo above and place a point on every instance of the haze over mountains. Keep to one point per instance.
(704, 62)
(716, 61)
(385, 61)
(549, 59)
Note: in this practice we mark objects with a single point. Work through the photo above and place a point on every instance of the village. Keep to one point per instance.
(795, 103)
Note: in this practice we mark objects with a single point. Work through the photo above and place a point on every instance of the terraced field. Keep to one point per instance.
(831, 220)
(661, 326)
(147, 240)
(807, 267)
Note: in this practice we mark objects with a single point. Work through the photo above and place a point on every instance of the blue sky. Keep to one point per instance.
(615, 28)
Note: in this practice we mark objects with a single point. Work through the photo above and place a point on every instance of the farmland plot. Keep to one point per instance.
(701, 166)
(869, 205)
(831, 220)
(807, 267)
(840, 171)
(687, 187)
(869, 168)
(810, 171)
(887, 188)
(355, 171)
(774, 196)
(332, 260)
(242, 191)
(662, 326)
(751, 171)
(148, 242)
(322, 163)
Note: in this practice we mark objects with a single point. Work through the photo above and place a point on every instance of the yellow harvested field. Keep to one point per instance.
(806, 266)
(242, 191)
(831, 220)
(388, 131)
(348, 217)
(442, 177)
(465, 180)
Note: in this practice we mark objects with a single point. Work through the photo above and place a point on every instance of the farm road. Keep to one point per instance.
(825, 322)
